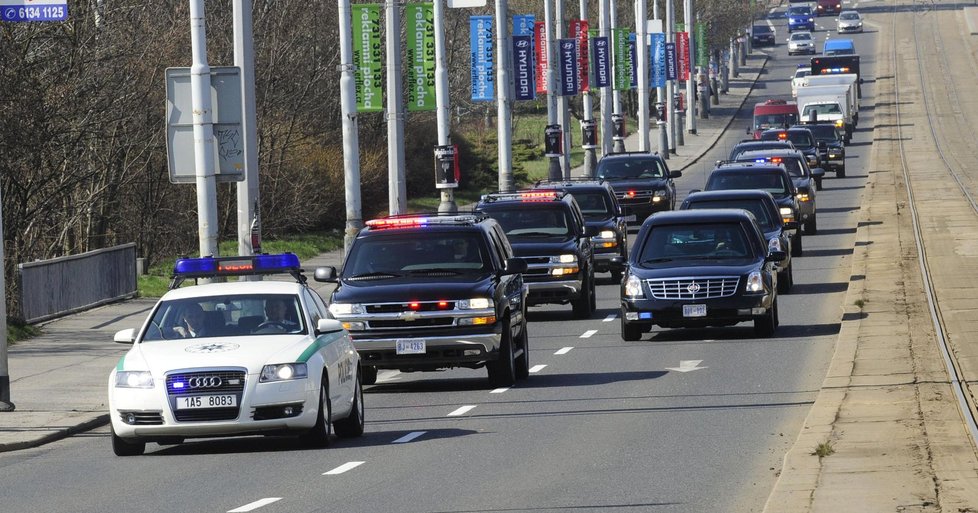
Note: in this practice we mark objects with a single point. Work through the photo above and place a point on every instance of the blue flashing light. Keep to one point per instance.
(645, 315)
(178, 384)
(236, 266)
(282, 262)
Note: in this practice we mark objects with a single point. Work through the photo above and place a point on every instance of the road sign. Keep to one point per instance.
(33, 10)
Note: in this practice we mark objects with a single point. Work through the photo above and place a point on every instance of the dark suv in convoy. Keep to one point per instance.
(698, 268)
(802, 138)
(806, 181)
(642, 182)
(756, 145)
(603, 217)
(831, 146)
(766, 177)
(547, 229)
(765, 211)
(427, 291)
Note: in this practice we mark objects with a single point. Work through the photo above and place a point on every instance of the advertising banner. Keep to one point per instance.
(367, 57)
(682, 55)
(632, 58)
(523, 67)
(542, 55)
(523, 24)
(657, 60)
(579, 31)
(567, 58)
(702, 52)
(483, 71)
(601, 61)
(670, 61)
(420, 55)
(623, 59)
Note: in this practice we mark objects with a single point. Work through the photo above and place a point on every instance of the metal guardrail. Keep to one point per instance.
(64, 285)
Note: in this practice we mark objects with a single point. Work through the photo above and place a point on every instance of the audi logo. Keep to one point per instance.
(205, 382)
(693, 288)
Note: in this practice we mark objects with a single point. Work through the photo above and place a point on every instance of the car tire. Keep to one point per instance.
(765, 325)
(785, 280)
(796, 245)
(631, 332)
(593, 295)
(318, 436)
(369, 374)
(502, 371)
(352, 425)
(818, 184)
(582, 305)
(811, 226)
(123, 447)
(841, 172)
(523, 360)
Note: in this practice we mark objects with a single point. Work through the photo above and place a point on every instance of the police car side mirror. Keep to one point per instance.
(776, 256)
(126, 336)
(748, 129)
(675, 174)
(325, 274)
(514, 266)
(617, 263)
(791, 225)
(818, 172)
(328, 326)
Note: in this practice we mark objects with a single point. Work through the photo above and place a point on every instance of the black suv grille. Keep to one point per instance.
(432, 306)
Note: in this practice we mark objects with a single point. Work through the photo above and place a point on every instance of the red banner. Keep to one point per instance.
(578, 30)
(682, 55)
(542, 55)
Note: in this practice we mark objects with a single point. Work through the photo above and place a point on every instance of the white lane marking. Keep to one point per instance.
(564, 350)
(589, 333)
(499, 390)
(255, 505)
(536, 368)
(408, 437)
(343, 468)
(461, 411)
(388, 375)
(687, 366)
(610, 318)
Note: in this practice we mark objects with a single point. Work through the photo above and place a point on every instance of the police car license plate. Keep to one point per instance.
(207, 401)
(694, 310)
(412, 346)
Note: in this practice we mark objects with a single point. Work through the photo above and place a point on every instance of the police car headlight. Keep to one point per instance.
(786, 212)
(754, 282)
(658, 196)
(283, 372)
(633, 287)
(477, 303)
(134, 379)
(563, 259)
(606, 234)
(346, 309)
(774, 245)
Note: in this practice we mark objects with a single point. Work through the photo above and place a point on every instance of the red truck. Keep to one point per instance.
(773, 114)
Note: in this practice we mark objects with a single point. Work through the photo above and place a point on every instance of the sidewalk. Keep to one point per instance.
(59, 380)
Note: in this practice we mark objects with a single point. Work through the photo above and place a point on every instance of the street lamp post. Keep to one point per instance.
(348, 118)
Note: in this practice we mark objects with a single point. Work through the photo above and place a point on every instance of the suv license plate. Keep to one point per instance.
(413, 346)
(207, 401)
(694, 310)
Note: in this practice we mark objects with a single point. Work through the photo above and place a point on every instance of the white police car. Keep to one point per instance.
(237, 358)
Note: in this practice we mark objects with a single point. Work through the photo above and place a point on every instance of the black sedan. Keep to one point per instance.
(642, 182)
(699, 268)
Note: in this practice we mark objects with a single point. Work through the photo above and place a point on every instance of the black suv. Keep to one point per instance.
(755, 145)
(806, 181)
(698, 268)
(831, 146)
(427, 292)
(642, 182)
(547, 230)
(802, 138)
(766, 177)
(765, 211)
(603, 217)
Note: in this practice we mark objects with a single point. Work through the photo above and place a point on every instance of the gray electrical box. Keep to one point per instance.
(228, 134)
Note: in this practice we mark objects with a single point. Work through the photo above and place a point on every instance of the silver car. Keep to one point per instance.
(849, 21)
(801, 42)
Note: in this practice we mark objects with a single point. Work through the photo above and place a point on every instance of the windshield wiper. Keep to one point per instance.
(657, 260)
(440, 270)
(533, 234)
(375, 274)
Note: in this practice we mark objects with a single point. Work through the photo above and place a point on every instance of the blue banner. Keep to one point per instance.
(671, 61)
(523, 67)
(634, 59)
(523, 24)
(601, 61)
(567, 61)
(482, 59)
(657, 60)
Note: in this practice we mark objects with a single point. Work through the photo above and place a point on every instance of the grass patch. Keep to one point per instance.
(17, 331)
(823, 449)
(157, 280)
(860, 303)
(463, 198)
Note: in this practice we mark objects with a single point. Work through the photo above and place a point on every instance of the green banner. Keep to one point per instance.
(702, 52)
(680, 27)
(623, 60)
(367, 57)
(420, 54)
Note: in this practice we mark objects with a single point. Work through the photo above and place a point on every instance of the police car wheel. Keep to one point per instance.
(818, 184)
(841, 172)
(765, 325)
(318, 436)
(631, 332)
(502, 372)
(523, 360)
(811, 226)
(369, 375)
(785, 280)
(123, 447)
(582, 305)
(796, 245)
(352, 425)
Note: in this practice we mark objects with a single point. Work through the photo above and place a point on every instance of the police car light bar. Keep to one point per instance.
(415, 220)
(210, 267)
(403, 222)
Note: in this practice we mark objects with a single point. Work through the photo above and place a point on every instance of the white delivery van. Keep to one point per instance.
(848, 79)
(826, 103)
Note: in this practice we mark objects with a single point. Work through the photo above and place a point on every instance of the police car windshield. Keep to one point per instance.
(629, 168)
(436, 253)
(521, 222)
(594, 205)
(755, 207)
(686, 243)
(770, 182)
(225, 316)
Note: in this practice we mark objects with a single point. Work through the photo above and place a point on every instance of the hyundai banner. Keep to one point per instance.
(670, 61)
(367, 57)
(480, 28)
(523, 67)
(657, 60)
(567, 59)
(601, 61)
(632, 59)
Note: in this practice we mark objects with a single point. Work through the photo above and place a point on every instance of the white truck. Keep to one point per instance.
(826, 103)
(847, 79)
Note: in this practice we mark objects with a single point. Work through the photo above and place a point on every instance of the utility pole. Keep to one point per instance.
(615, 93)
(351, 139)
(642, 55)
(554, 173)
(247, 190)
(441, 99)
(504, 98)
(5, 404)
(203, 114)
(688, 19)
(590, 160)
(660, 97)
(670, 30)
(607, 101)
(397, 186)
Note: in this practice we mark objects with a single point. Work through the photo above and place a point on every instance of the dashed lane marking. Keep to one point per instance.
(564, 350)
(610, 318)
(499, 390)
(589, 333)
(537, 368)
(255, 505)
(461, 411)
(344, 468)
(408, 437)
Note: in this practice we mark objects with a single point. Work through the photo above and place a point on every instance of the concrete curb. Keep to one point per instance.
(57, 434)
